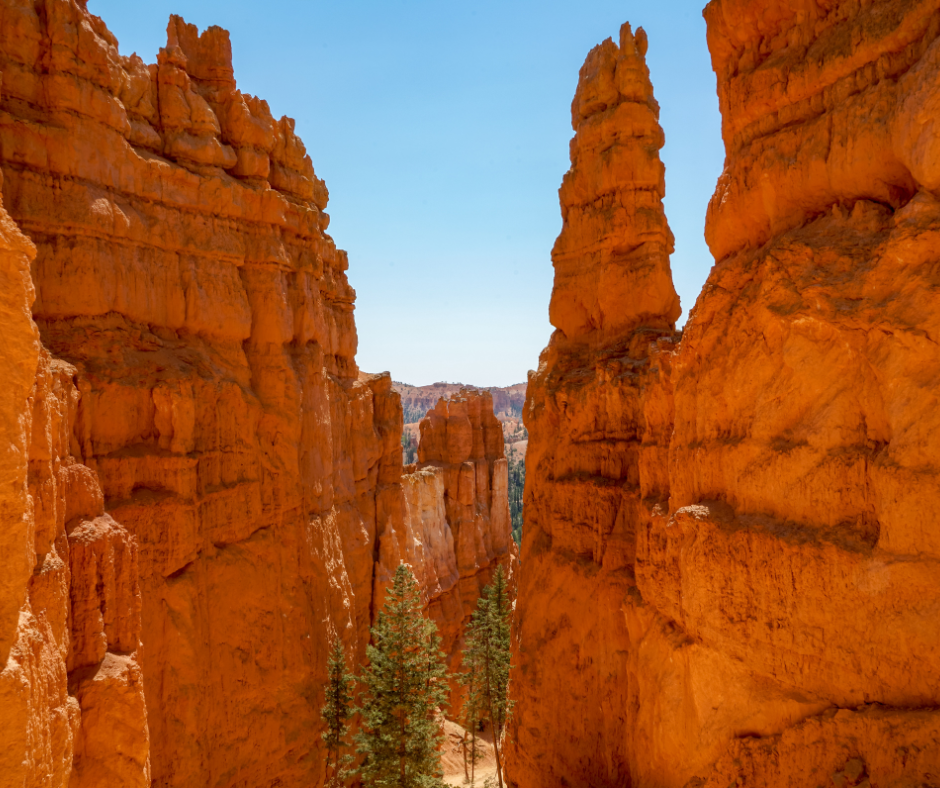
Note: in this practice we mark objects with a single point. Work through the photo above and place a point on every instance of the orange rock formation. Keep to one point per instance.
(197, 382)
(462, 441)
(729, 569)
(71, 697)
(598, 426)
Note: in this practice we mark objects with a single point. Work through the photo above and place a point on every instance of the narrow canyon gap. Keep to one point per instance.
(730, 558)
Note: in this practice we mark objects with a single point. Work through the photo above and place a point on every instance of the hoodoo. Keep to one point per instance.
(598, 411)
(456, 514)
(730, 562)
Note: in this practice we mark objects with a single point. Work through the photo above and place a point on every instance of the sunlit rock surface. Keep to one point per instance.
(216, 474)
(729, 566)
(72, 706)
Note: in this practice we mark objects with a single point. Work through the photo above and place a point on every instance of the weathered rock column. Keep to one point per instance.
(599, 419)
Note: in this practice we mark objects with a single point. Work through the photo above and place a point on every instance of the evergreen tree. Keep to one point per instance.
(404, 688)
(488, 634)
(516, 490)
(336, 713)
(473, 706)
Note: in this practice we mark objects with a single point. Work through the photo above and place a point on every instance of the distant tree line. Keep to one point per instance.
(409, 446)
(413, 413)
(516, 489)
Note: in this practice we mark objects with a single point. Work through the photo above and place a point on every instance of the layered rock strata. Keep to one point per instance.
(196, 383)
(729, 567)
(598, 416)
(183, 270)
(72, 708)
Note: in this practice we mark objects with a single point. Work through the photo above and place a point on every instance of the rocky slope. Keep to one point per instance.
(730, 558)
(197, 465)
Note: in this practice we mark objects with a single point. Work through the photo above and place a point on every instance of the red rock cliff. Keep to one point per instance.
(184, 281)
(598, 421)
(71, 697)
(729, 566)
(193, 379)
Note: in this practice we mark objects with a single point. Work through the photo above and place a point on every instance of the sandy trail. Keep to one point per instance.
(452, 756)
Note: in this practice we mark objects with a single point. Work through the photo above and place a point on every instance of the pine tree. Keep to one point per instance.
(489, 632)
(336, 713)
(404, 688)
(516, 490)
(473, 708)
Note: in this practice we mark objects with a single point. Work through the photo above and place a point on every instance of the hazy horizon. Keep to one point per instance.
(442, 134)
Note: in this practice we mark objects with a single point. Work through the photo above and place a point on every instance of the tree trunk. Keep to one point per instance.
(463, 746)
(499, 768)
(473, 755)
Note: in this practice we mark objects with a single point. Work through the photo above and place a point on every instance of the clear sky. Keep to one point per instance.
(442, 130)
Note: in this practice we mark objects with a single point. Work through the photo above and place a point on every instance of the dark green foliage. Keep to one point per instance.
(336, 712)
(413, 413)
(473, 712)
(486, 662)
(516, 489)
(404, 688)
(409, 445)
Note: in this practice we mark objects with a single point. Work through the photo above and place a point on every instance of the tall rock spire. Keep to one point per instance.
(730, 548)
(612, 257)
(599, 417)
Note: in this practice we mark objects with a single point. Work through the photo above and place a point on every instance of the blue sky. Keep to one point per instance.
(442, 132)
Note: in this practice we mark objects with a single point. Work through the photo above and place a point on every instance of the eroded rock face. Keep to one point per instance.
(195, 355)
(184, 280)
(598, 411)
(462, 440)
(72, 706)
(730, 557)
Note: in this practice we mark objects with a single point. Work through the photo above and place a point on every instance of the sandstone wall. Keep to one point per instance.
(193, 378)
(71, 697)
(730, 557)
(462, 441)
(183, 269)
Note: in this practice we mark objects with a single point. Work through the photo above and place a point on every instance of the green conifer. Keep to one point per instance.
(404, 688)
(336, 712)
(473, 705)
(489, 634)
